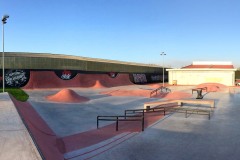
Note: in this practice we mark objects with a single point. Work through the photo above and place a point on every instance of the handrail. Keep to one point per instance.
(191, 111)
(160, 88)
(143, 111)
(179, 108)
(120, 118)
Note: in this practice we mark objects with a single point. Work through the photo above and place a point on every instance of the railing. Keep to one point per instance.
(143, 111)
(191, 111)
(127, 117)
(159, 108)
(186, 110)
(120, 118)
(158, 89)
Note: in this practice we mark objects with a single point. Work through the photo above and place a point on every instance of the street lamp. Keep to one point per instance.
(163, 54)
(4, 21)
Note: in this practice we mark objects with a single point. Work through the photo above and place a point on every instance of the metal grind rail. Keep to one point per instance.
(174, 108)
(159, 108)
(140, 113)
(187, 110)
(121, 118)
(158, 89)
(143, 111)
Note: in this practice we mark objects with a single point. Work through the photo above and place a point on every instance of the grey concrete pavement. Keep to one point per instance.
(15, 141)
(71, 118)
(192, 138)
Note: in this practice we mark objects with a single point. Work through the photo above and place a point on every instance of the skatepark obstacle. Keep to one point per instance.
(120, 118)
(160, 89)
(199, 92)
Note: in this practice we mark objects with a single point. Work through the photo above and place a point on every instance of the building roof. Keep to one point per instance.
(71, 57)
(45, 61)
(209, 66)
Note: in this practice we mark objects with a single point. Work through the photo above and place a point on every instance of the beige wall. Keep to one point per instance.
(197, 76)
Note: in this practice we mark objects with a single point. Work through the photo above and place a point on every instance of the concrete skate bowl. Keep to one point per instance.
(67, 96)
(48, 79)
(214, 87)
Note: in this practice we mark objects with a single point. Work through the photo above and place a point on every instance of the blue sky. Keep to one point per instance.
(126, 30)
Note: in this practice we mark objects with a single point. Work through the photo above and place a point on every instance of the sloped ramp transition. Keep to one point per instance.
(67, 95)
(48, 79)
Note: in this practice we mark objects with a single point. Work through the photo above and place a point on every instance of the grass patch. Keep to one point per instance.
(17, 93)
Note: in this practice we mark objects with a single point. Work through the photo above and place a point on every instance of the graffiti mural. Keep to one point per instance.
(1, 78)
(16, 78)
(155, 78)
(66, 74)
(113, 74)
(142, 78)
(139, 78)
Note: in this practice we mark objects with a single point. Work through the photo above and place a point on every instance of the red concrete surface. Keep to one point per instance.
(91, 137)
(146, 93)
(213, 87)
(50, 145)
(98, 85)
(122, 92)
(157, 85)
(174, 95)
(67, 95)
(48, 79)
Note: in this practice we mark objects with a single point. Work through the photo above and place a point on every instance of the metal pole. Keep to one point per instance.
(3, 78)
(4, 19)
(117, 124)
(163, 54)
(163, 70)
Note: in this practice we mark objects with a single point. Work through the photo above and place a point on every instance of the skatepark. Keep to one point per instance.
(81, 114)
(67, 128)
(120, 80)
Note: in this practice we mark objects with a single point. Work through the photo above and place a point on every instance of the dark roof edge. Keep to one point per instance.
(62, 56)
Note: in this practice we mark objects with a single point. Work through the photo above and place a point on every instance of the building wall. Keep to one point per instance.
(41, 61)
(19, 65)
(237, 74)
(195, 77)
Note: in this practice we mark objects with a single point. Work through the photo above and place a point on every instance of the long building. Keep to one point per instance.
(24, 60)
(19, 66)
(203, 72)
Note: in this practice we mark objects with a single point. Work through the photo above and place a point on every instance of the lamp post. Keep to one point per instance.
(163, 54)
(4, 21)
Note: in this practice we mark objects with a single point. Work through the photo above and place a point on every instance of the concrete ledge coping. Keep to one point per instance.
(209, 102)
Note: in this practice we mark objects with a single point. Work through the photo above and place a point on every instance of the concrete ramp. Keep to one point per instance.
(15, 141)
(48, 79)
